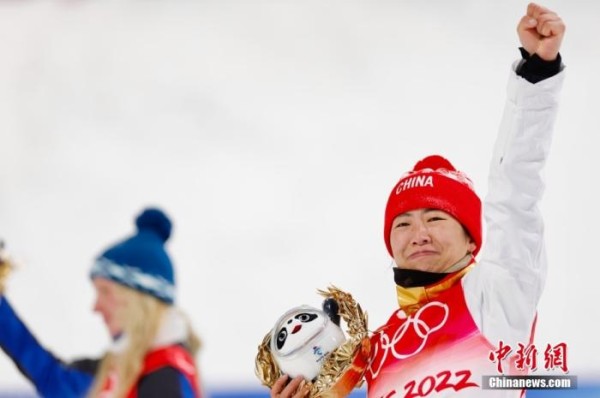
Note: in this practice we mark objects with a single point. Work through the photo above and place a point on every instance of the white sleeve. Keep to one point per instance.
(503, 290)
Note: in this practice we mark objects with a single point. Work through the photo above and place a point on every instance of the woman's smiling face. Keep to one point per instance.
(428, 240)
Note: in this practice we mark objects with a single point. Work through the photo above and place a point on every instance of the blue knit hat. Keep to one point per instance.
(141, 261)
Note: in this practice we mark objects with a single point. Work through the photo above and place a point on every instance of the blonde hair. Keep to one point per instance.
(141, 317)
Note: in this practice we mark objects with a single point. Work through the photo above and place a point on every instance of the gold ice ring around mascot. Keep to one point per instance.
(344, 368)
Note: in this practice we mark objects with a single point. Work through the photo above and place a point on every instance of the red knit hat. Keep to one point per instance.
(435, 184)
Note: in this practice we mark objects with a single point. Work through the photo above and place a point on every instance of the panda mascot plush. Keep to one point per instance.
(309, 342)
(303, 337)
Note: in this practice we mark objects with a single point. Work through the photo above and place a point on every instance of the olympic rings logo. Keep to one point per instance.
(412, 335)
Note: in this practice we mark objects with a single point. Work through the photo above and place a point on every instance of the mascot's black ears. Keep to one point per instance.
(332, 309)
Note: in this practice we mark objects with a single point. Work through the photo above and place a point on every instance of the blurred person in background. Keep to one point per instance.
(153, 345)
(454, 312)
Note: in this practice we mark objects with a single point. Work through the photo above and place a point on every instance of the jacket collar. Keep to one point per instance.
(416, 288)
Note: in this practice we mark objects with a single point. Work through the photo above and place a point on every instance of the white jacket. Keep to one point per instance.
(503, 290)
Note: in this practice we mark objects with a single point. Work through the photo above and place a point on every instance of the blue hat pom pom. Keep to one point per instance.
(154, 220)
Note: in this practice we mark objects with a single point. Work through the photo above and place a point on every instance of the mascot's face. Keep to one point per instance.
(296, 328)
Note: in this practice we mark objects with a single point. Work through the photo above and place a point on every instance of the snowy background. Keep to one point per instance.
(271, 132)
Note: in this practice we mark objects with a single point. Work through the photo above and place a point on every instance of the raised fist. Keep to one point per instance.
(541, 32)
